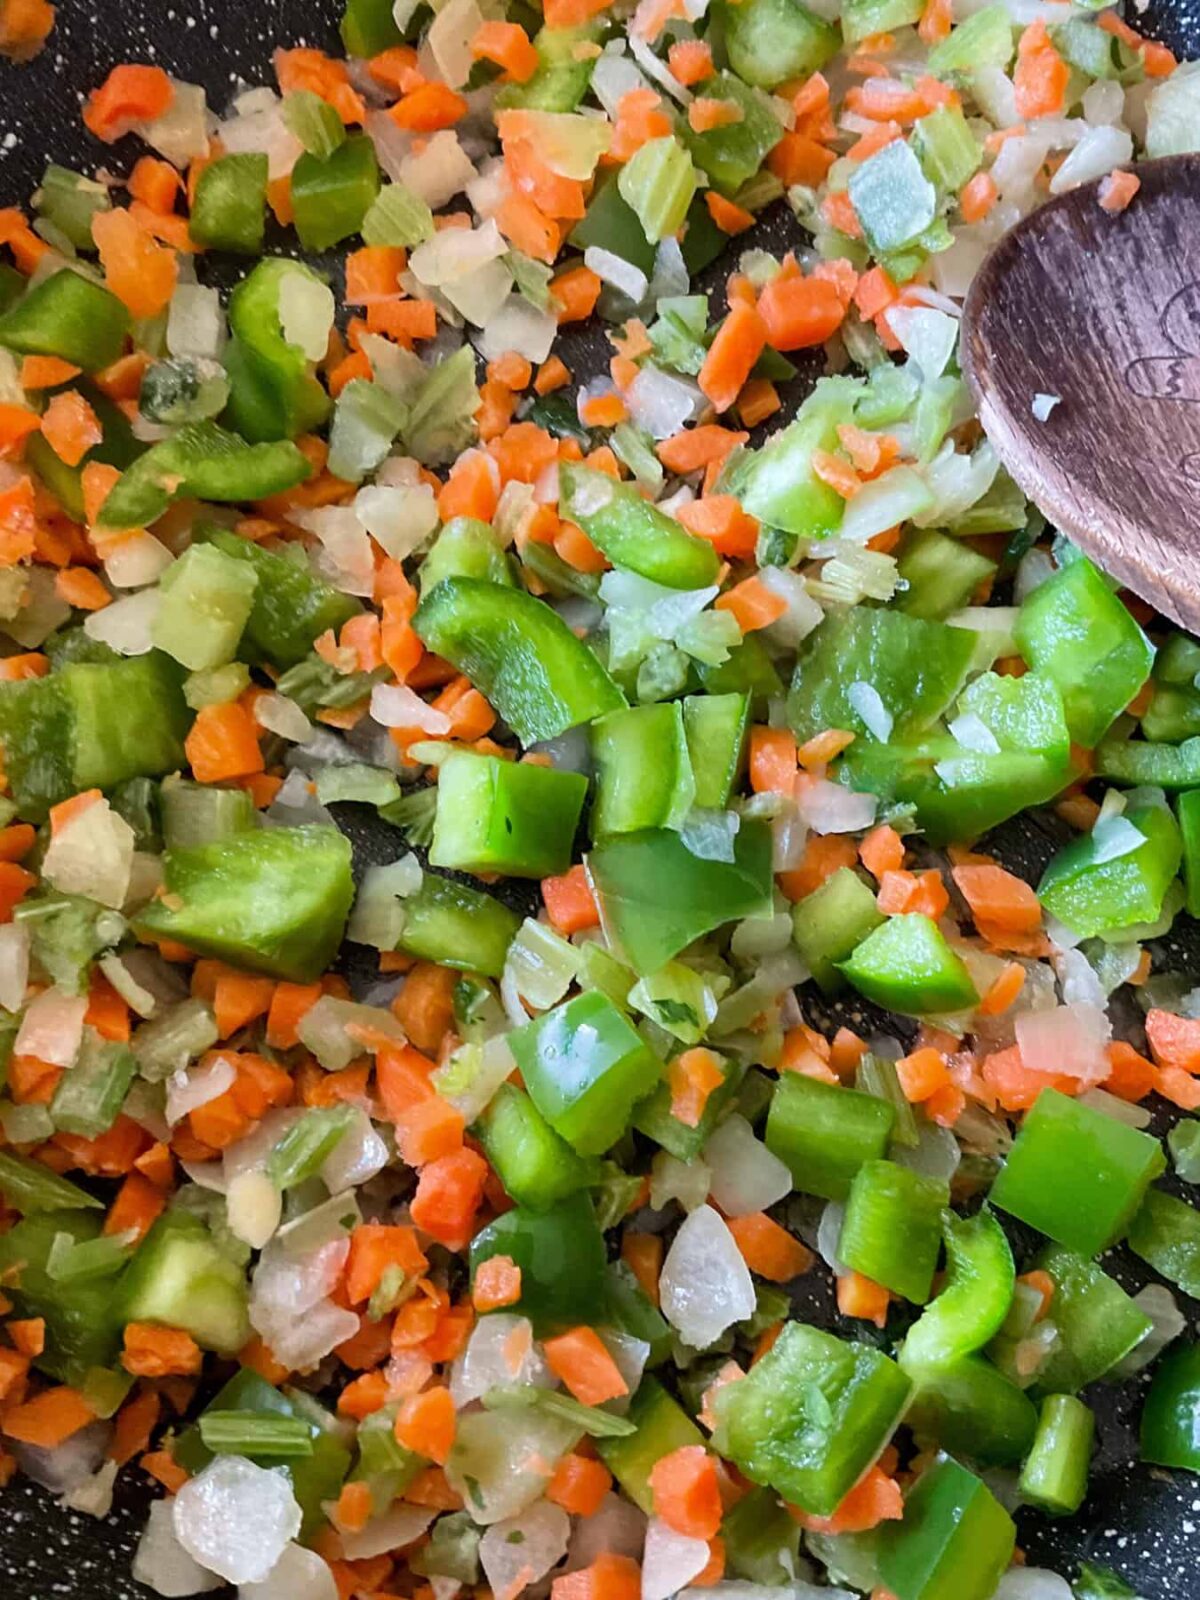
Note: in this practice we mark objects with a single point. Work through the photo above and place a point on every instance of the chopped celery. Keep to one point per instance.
(658, 182)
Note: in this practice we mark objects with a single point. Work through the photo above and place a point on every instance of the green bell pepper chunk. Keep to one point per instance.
(717, 729)
(1098, 1323)
(292, 606)
(628, 1309)
(907, 966)
(332, 195)
(955, 1541)
(829, 924)
(12, 287)
(777, 483)
(654, 1118)
(536, 1166)
(1077, 1175)
(661, 1426)
(273, 392)
(562, 1260)
(69, 316)
(769, 41)
(505, 816)
(585, 1067)
(974, 1302)
(1170, 1429)
(970, 1408)
(1172, 715)
(178, 1277)
(275, 901)
(749, 671)
(632, 532)
(1055, 1474)
(1096, 893)
(207, 598)
(229, 211)
(732, 154)
(762, 1542)
(457, 926)
(892, 1228)
(1165, 1233)
(656, 898)
(83, 1320)
(202, 462)
(612, 224)
(368, 28)
(519, 653)
(916, 667)
(643, 770)
(1136, 762)
(941, 573)
(811, 1416)
(1075, 630)
(824, 1133)
(466, 548)
(562, 76)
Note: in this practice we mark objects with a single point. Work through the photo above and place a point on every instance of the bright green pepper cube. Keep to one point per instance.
(274, 393)
(1094, 891)
(562, 1260)
(1074, 629)
(632, 532)
(662, 1425)
(770, 41)
(829, 924)
(207, 598)
(536, 1167)
(907, 966)
(292, 606)
(970, 1408)
(811, 1416)
(954, 1543)
(892, 1229)
(1108, 1167)
(275, 900)
(1170, 1426)
(466, 548)
(128, 718)
(717, 729)
(368, 28)
(643, 770)
(585, 1066)
(229, 211)
(777, 483)
(1166, 1234)
(1055, 1474)
(505, 816)
(824, 1133)
(1098, 1323)
(68, 316)
(179, 1278)
(332, 195)
(457, 926)
(733, 153)
(83, 1321)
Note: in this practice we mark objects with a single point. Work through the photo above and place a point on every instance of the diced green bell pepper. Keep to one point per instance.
(505, 816)
(811, 1416)
(563, 72)
(916, 668)
(829, 924)
(29, 1186)
(733, 153)
(1055, 1473)
(1142, 761)
(762, 1542)
(1075, 630)
(457, 926)
(83, 1321)
(749, 671)
(656, 898)
(292, 606)
(954, 1542)
(941, 573)
(562, 1260)
(777, 483)
(907, 966)
(229, 210)
(1165, 1233)
(273, 394)
(332, 195)
(632, 532)
(1098, 1323)
(643, 770)
(368, 28)
(519, 653)
(203, 462)
(1095, 892)
(661, 1427)
(585, 1067)
(1170, 1429)
(824, 1133)
(275, 900)
(466, 548)
(770, 41)
(68, 316)
(970, 1408)
(892, 1228)
(1076, 1174)
(717, 729)
(535, 1165)
(612, 224)
(207, 599)
(974, 1300)
(178, 1277)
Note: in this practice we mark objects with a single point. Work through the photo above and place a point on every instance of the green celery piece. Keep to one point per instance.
(770, 41)
(830, 923)
(1098, 1323)
(907, 966)
(970, 1408)
(535, 1165)
(458, 926)
(256, 1433)
(974, 1301)
(599, 1424)
(644, 774)
(313, 121)
(520, 654)
(660, 1426)
(199, 813)
(863, 18)
(894, 200)
(717, 729)
(292, 606)
(83, 1320)
(505, 816)
(273, 394)
(656, 898)
(811, 1416)
(985, 39)
(732, 154)
(366, 420)
(69, 201)
(275, 900)
(892, 1228)
(563, 72)
(954, 1542)
(301, 1152)
(1094, 895)
(179, 1277)
(89, 1098)
(916, 667)
(28, 1187)
(632, 532)
(562, 1260)
(1075, 630)
(1165, 1233)
(1172, 715)
(658, 182)
(202, 462)
(1055, 1474)
(371, 786)
(1168, 1427)
(948, 151)
(331, 197)
(397, 218)
(69, 316)
(824, 1133)
(1100, 1583)
(229, 209)
(207, 598)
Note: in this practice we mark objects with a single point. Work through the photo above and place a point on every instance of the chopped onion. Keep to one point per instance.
(898, 495)
(519, 327)
(306, 311)
(653, 67)
(280, 715)
(127, 625)
(662, 404)
(395, 705)
(325, 1028)
(161, 1562)
(236, 1519)
(670, 1560)
(299, 1574)
(614, 76)
(672, 1179)
(622, 274)
(91, 854)
(745, 1175)
(14, 964)
(447, 43)
(395, 1529)
(500, 1351)
(288, 1299)
(1159, 1304)
(186, 1091)
(803, 612)
(928, 336)
(1111, 1105)
(398, 519)
(867, 702)
(1032, 1583)
(705, 1285)
(52, 1028)
(136, 560)
(455, 253)
(829, 808)
(520, 1550)
(180, 135)
(346, 555)
(1097, 153)
(359, 1155)
(67, 1465)
(617, 1528)
(195, 322)
(253, 1208)
(263, 131)
(1069, 1041)
(435, 173)
(503, 1460)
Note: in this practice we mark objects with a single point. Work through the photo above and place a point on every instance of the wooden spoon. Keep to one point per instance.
(1103, 311)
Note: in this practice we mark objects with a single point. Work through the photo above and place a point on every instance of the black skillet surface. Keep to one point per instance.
(1142, 1523)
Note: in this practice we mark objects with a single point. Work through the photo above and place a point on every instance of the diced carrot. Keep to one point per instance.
(1041, 75)
(874, 293)
(448, 1195)
(603, 411)
(1003, 991)
(154, 1352)
(905, 893)
(752, 604)
(690, 61)
(14, 1370)
(823, 855)
(570, 904)
(28, 1335)
(1117, 189)
(15, 884)
(50, 1418)
(223, 743)
(720, 519)
(692, 1077)
(138, 1205)
(46, 372)
(375, 1248)
(426, 1424)
(162, 1466)
(882, 851)
(758, 400)
(373, 273)
(425, 1005)
(362, 1397)
(551, 375)
(706, 115)
(18, 522)
(772, 760)
(643, 1254)
(24, 28)
(289, 1005)
(129, 95)
(1017, 1086)
(156, 184)
(431, 1131)
(687, 1492)
(999, 902)
(798, 158)
(472, 489)
(859, 1297)
(135, 1423)
(16, 669)
(1174, 1041)
(511, 369)
(311, 69)
(579, 1484)
(640, 118)
(875, 1498)
(609, 1577)
(16, 841)
(1044, 1284)
(922, 1074)
(353, 1508)
(977, 197)
(81, 588)
(508, 46)
(739, 343)
(1131, 1077)
(427, 108)
(581, 1359)
(694, 448)
(836, 473)
(239, 999)
(799, 313)
(1179, 1087)
(768, 1249)
(139, 272)
(497, 1284)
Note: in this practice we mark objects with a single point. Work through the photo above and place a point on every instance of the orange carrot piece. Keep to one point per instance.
(768, 1249)
(1118, 189)
(875, 1498)
(772, 760)
(497, 1284)
(1003, 991)
(154, 1352)
(609, 1577)
(427, 108)
(800, 313)
(509, 47)
(50, 1418)
(426, 1424)
(692, 1078)
(579, 1484)
(376, 1247)
(129, 95)
(569, 902)
(81, 588)
(139, 272)
(1041, 75)
(739, 343)
(752, 604)
(719, 518)
(581, 1359)
(28, 1335)
(46, 372)
(859, 1297)
(448, 1195)
(687, 1493)
(223, 743)
(643, 1254)
(137, 1207)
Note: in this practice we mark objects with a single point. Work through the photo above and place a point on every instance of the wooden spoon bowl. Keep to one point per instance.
(1103, 311)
